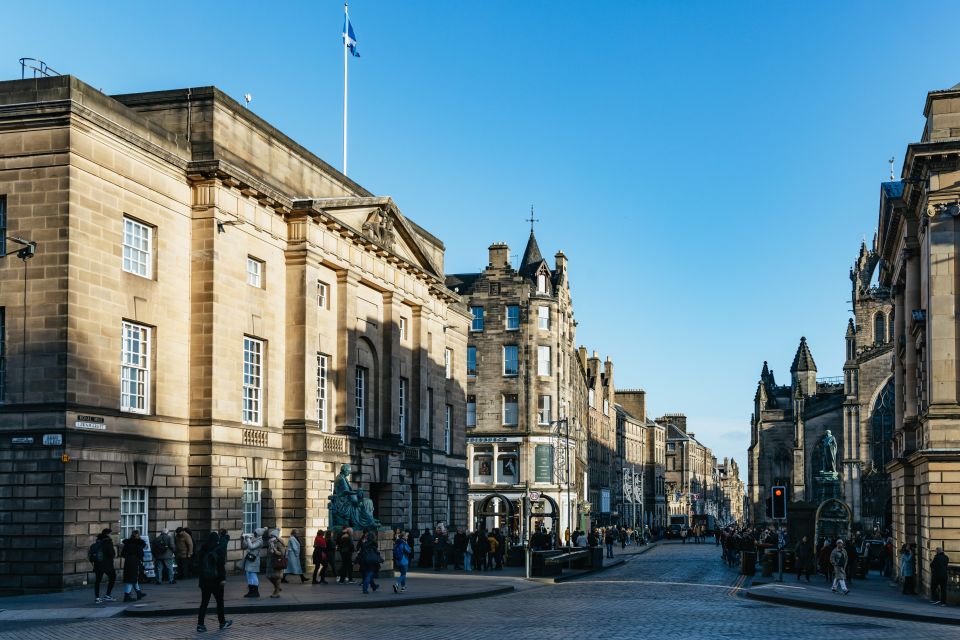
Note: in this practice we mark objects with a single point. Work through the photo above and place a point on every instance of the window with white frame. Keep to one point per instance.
(360, 400)
(252, 381)
(592, 399)
(254, 272)
(508, 464)
(133, 511)
(135, 368)
(542, 283)
(543, 318)
(471, 361)
(543, 361)
(511, 360)
(606, 406)
(251, 504)
(448, 363)
(482, 464)
(323, 369)
(404, 392)
(448, 429)
(544, 413)
(323, 295)
(476, 324)
(137, 248)
(513, 318)
(511, 410)
(403, 328)
(471, 411)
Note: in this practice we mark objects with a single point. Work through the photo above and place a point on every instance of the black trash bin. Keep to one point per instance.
(748, 562)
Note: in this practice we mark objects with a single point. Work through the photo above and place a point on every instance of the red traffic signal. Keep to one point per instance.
(778, 506)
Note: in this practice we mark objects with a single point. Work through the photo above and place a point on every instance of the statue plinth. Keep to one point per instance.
(828, 486)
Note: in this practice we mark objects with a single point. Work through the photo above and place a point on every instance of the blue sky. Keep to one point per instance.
(709, 168)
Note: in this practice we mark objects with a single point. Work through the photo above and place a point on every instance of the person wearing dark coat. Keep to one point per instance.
(345, 547)
(938, 577)
(460, 548)
(481, 551)
(804, 556)
(131, 550)
(103, 565)
(213, 577)
(426, 549)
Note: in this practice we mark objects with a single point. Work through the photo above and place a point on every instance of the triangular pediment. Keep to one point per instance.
(380, 221)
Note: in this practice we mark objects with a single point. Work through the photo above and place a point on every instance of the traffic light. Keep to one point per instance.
(778, 503)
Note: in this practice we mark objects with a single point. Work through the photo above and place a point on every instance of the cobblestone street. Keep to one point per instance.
(674, 591)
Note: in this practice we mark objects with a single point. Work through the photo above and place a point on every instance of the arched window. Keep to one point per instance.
(879, 328)
(881, 423)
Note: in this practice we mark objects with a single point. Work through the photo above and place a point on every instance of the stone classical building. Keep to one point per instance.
(525, 392)
(919, 222)
(690, 469)
(731, 492)
(789, 422)
(218, 320)
(641, 450)
(630, 456)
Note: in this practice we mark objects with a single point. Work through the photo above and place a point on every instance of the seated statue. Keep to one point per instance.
(348, 506)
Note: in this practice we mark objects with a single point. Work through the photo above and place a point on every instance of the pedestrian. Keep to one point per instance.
(838, 559)
(320, 558)
(683, 534)
(345, 548)
(102, 554)
(468, 550)
(907, 571)
(295, 560)
(253, 544)
(426, 549)
(213, 577)
(623, 539)
(402, 554)
(440, 544)
(804, 558)
(184, 551)
(277, 553)
(131, 550)
(492, 544)
(938, 577)
(501, 547)
(608, 541)
(370, 561)
(482, 550)
(163, 553)
(459, 548)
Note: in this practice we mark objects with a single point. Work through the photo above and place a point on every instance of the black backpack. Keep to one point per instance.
(95, 552)
(208, 566)
(160, 545)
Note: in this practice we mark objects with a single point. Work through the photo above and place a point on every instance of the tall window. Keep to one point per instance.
(591, 399)
(879, 328)
(882, 428)
(3, 226)
(543, 410)
(3, 353)
(254, 272)
(251, 504)
(543, 361)
(542, 283)
(513, 318)
(606, 406)
(252, 381)
(137, 246)
(135, 368)
(448, 363)
(404, 392)
(543, 318)
(448, 428)
(471, 411)
(403, 328)
(133, 511)
(477, 323)
(323, 362)
(360, 404)
(511, 360)
(508, 459)
(471, 361)
(323, 295)
(511, 410)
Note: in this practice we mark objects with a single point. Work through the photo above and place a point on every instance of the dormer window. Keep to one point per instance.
(542, 283)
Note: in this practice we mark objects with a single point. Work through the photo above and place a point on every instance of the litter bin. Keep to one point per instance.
(748, 562)
(769, 562)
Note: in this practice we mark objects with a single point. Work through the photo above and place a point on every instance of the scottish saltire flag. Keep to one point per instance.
(350, 37)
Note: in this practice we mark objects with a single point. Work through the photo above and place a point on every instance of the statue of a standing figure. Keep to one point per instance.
(828, 453)
(348, 505)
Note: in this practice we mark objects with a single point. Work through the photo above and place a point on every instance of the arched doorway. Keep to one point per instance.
(495, 511)
(833, 519)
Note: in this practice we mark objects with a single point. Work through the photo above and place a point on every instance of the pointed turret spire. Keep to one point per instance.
(532, 258)
(803, 361)
(804, 371)
(851, 330)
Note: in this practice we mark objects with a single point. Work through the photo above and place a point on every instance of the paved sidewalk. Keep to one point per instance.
(874, 597)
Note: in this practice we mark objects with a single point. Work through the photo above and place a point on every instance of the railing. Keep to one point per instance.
(830, 380)
(38, 67)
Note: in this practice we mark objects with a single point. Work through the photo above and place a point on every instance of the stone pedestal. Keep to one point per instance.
(828, 486)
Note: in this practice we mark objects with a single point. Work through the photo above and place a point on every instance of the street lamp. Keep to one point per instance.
(28, 250)
(566, 454)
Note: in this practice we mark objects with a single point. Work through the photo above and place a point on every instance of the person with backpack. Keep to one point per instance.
(370, 560)
(252, 544)
(102, 554)
(402, 554)
(277, 553)
(163, 554)
(492, 544)
(131, 550)
(320, 558)
(213, 577)
(184, 552)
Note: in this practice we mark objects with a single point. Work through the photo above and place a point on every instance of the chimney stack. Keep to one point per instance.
(499, 255)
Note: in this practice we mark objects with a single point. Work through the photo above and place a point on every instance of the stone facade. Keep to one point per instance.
(690, 474)
(919, 221)
(601, 440)
(641, 449)
(217, 321)
(731, 489)
(789, 421)
(525, 392)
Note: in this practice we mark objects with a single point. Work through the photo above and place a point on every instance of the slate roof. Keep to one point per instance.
(892, 189)
(462, 282)
(532, 258)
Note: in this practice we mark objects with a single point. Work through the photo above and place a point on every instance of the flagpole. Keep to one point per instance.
(346, 32)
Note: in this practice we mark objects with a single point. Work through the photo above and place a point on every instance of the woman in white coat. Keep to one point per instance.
(294, 557)
(252, 544)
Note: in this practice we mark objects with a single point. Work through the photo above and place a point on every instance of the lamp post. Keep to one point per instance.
(28, 250)
(565, 423)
